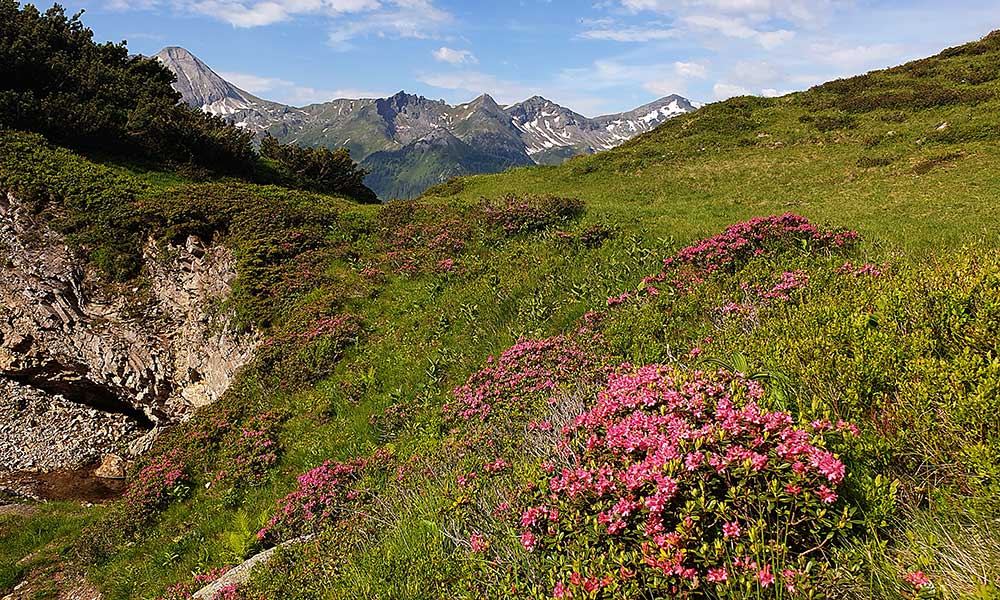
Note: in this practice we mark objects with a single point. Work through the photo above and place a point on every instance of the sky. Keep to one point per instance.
(594, 56)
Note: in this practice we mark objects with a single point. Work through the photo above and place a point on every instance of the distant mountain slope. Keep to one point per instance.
(536, 131)
(432, 159)
(553, 133)
(201, 87)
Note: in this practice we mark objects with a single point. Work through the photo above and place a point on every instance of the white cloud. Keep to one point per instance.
(853, 57)
(800, 12)
(418, 19)
(455, 57)
(737, 28)
(723, 90)
(287, 92)
(773, 93)
(255, 84)
(268, 12)
(691, 70)
(755, 73)
(629, 34)
(350, 18)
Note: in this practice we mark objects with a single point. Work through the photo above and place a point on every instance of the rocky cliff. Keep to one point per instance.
(86, 371)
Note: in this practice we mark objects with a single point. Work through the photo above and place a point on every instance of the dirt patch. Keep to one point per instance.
(74, 485)
(17, 510)
(58, 585)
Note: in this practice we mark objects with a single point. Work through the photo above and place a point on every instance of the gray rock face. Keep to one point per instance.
(42, 432)
(89, 370)
(536, 131)
(201, 87)
(241, 573)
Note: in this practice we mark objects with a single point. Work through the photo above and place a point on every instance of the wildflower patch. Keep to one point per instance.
(679, 483)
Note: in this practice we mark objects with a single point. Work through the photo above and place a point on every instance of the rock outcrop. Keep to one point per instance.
(240, 574)
(91, 369)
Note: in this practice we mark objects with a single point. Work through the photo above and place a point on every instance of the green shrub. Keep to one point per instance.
(318, 169)
(868, 162)
(55, 80)
(514, 215)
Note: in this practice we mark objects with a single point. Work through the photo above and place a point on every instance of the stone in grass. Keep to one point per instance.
(240, 574)
(112, 467)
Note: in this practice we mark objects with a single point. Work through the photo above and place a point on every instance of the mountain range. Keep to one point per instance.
(409, 142)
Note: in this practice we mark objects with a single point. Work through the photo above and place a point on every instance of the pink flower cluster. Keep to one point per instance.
(430, 236)
(229, 591)
(326, 493)
(345, 327)
(516, 214)
(758, 297)
(738, 244)
(656, 441)
(789, 281)
(478, 542)
(372, 273)
(251, 452)
(527, 368)
(867, 269)
(738, 308)
(917, 579)
(152, 487)
(184, 590)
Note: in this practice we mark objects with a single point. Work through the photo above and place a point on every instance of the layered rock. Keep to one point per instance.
(140, 359)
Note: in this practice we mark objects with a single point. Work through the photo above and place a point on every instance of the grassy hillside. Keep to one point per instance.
(787, 407)
(907, 155)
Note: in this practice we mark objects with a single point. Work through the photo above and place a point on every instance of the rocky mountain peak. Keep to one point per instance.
(198, 84)
(438, 137)
(538, 106)
(487, 102)
(536, 130)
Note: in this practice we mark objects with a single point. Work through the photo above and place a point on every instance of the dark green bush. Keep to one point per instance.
(55, 80)
(927, 164)
(317, 169)
(515, 214)
(826, 123)
(867, 162)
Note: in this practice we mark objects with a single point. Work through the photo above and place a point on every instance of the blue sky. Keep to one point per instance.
(596, 56)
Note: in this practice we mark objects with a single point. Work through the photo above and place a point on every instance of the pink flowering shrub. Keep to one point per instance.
(249, 453)
(739, 243)
(526, 371)
(310, 347)
(680, 484)
(787, 282)
(592, 237)
(867, 269)
(161, 481)
(514, 215)
(184, 590)
(595, 235)
(164, 479)
(342, 327)
(325, 495)
(756, 297)
(422, 238)
(229, 591)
